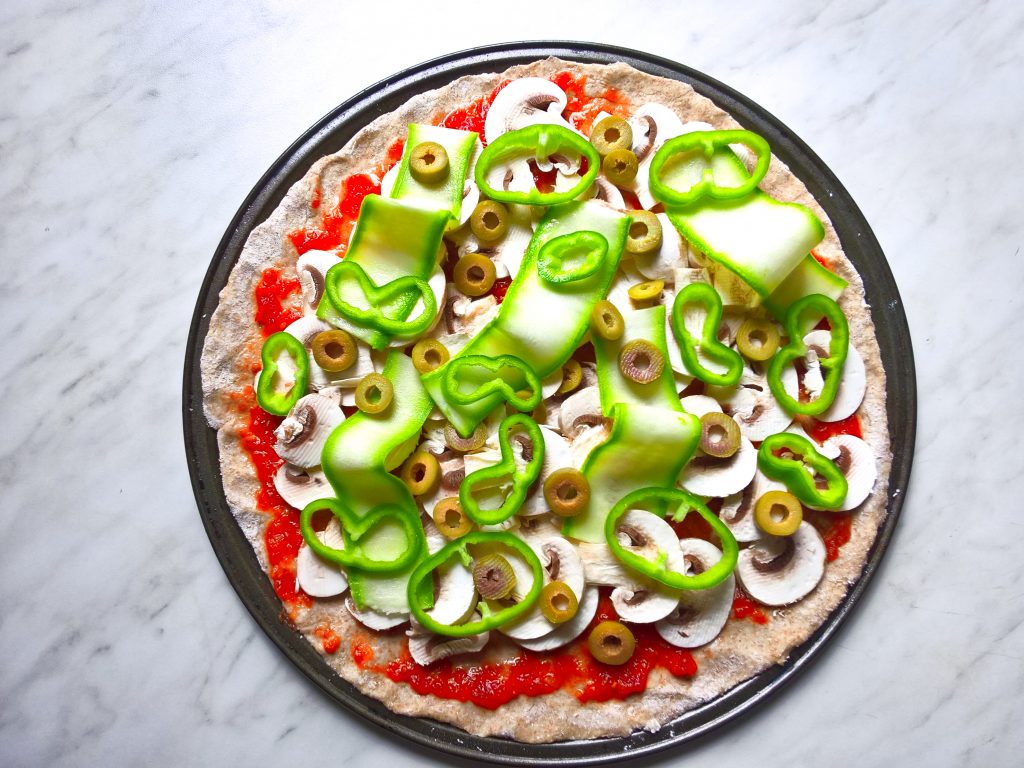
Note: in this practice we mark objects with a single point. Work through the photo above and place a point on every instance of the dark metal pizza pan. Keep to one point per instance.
(329, 135)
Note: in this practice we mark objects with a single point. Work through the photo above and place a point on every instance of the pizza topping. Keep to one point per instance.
(312, 268)
(668, 255)
(719, 435)
(302, 434)
(489, 221)
(649, 290)
(284, 377)
(700, 615)
(318, 577)
(611, 133)
(566, 492)
(619, 167)
(782, 570)
(450, 519)
(483, 493)
(757, 339)
(558, 603)
(807, 474)
(641, 362)
(606, 320)
(433, 171)
(428, 355)
(374, 394)
(428, 162)
(611, 642)
(375, 619)
(557, 454)
(298, 486)
(717, 478)
(852, 384)
(778, 513)
(566, 632)
(360, 534)
(474, 274)
(856, 461)
(708, 359)
(751, 404)
(687, 168)
(737, 510)
(572, 376)
(427, 648)
(561, 563)
(474, 442)
(334, 350)
(421, 473)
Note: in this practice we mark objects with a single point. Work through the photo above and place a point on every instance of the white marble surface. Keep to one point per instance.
(129, 133)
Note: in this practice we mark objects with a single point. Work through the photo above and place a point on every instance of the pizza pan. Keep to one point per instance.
(329, 135)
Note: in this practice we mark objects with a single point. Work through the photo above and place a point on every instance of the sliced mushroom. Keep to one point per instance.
(438, 283)
(314, 575)
(523, 102)
(456, 594)
(753, 406)
(653, 124)
(701, 613)
(561, 562)
(649, 536)
(302, 434)
(663, 263)
(506, 253)
(586, 441)
(580, 411)
(625, 277)
(738, 509)
(603, 568)
(699, 405)
(718, 478)
(853, 383)
(782, 570)
(426, 648)
(374, 619)
(305, 329)
(312, 269)
(300, 487)
(606, 192)
(563, 634)
(465, 315)
(453, 472)
(856, 460)
(556, 455)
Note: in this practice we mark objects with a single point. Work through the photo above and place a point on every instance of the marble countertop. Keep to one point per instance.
(129, 134)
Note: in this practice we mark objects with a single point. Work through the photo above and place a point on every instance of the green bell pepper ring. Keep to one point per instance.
(705, 295)
(489, 619)
(664, 498)
(521, 479)
(592, 247)
(705, 144)
(793, 470)
(536, 141)
(354, 528)
(379, 297)
(814, 305)
(270, 400)
(457, 374)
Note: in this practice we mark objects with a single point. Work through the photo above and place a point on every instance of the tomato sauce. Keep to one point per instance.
(473, 116)
(329, 640)
(745, 608)
(272, 291)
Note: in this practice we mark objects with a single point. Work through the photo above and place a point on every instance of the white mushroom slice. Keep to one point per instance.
(487, 457)
(580, 410)
(738, 509)
(299, 486)
(438, 285)
(465, 315)
(550, 384)
(311, 268)
(563, 634)
(653, 124)
(732, 289)
(561, 562)
(853, 383)
(304, 431)
(649, 536)
(779, 570)
(507, 253)
(603, 568)
(718, 478)
(456, 594)
(663, 263)
(625, 277)
(605, 191)
(686, 275)
(556, 455)
(523, 102)
(314, 575)
(374, 619)
(828, 451)
(753, 406)
(588, 371)
(426, 648)
(856, 460)
(305, 330)
(701, 613)
(586, 441)
(699, 405)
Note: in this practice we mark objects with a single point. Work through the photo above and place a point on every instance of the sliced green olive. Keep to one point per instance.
(644, 232)
(428, 162)
(450, 520)
(334, 351)
(494, 577)
(606, 321)
(619, 167)
(567, 492)
(641, 361)
(374, 393)
(421, 473)
(611, 134)
(646, 291)
(757, 339)
(611, 642)
(572, 375)
(558, 602)
(778, 513)
(719, 435)
(429, 355)
(474, 274)
(489, 221)
(457, 442)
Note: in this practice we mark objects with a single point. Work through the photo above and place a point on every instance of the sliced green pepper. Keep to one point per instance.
(270, 400)
(402, 291)
(491, 377)
(705, 295)
(657, 500)
(793, 470)
(795, 322)
(589, 248)
(536, 141)
(700, 168)
(422, 577)
(355, 528)
(505, 471)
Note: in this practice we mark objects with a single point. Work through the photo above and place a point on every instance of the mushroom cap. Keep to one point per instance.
(525, 101)
(561, 562)
(662, 263)
(301, 435)
(427, 648)
(565, 633)
(653, 124)
(701, 613)
(314, 575)
(456, 594)
(699, 405)
(857, 461)
(300, 487)
(305, 329)
(781, 570)
(852, 385)
(718, 478)
(738, 509)
(648, 536)
(580, 410)
(586, 441)
(374, 619)
(752, 404)
(311, 268)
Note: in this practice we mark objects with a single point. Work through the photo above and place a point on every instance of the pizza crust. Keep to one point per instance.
(742, 649)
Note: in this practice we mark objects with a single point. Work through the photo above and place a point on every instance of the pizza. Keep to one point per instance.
(550, 404)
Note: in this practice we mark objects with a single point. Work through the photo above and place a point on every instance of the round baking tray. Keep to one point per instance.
(331, 134)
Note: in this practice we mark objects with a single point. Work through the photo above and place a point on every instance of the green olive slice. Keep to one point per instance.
(449, 518)
(567, 492)
(606, 321)
(558, 602)
(641, 361)
(489, 221)
(572, 375)
(611, 642)
(474, 274)
(493, 577)
(757, 339)
(457, 442)
(778, 513)
(374, 393)
(619, 167)
(429, 355)
(421, 473)
(428, 162)
(644, 234)
(719, 435)
(334, 350)
(647, 290)
(611, 134)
